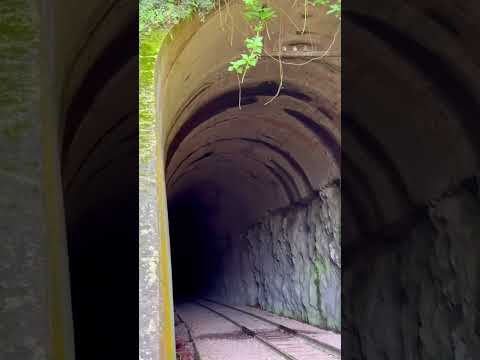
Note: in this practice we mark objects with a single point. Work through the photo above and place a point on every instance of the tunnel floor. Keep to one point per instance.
(211, 330)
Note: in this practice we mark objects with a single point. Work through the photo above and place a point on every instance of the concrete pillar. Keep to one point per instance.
(35, 302)
(157, 339)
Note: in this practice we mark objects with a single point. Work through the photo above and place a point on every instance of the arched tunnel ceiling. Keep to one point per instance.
(85, 30)
(108, 131)
(100, 132)
(409, 143)
(273, 156)
(258, 157)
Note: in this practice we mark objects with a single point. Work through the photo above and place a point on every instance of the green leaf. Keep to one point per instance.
(266, 14)
(252, 61)
(334, 9)
(259, 27)
(254, 43)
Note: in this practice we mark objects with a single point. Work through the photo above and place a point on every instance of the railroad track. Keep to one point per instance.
(287, 342)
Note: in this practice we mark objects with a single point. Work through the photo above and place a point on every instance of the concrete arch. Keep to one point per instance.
(226, 168)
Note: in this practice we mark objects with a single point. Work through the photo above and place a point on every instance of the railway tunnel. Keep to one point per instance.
(253, 182)
(253, 201)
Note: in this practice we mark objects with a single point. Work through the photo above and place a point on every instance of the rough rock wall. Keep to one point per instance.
(290, 262)
(421, 291)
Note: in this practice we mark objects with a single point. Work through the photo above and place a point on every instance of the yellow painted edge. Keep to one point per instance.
(58, 292)
(56, 318)
(164, 268)
(60, 322)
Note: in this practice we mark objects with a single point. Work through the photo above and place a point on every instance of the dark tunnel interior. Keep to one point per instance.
(194, 256)
(102, 248)
(99, 161)
(103, 262)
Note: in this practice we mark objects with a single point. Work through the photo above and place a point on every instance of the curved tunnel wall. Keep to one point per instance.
(410, 206)
(96, 62)
(228, 169)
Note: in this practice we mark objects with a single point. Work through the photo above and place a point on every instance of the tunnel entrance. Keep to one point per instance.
(254, 204)
(195, 260)
(252, 181)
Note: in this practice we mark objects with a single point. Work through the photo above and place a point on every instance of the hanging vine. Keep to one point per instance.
(163, 14)
(258, 14)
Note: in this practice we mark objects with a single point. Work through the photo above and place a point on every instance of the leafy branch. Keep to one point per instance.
(163, 14)
(258, 14)
(334, 6)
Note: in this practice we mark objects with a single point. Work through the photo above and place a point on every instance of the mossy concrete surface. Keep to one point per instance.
(23, 299)
(150, 44)
(155, 285)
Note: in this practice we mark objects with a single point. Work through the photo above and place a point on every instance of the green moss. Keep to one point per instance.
(157, 14)
(18, 71)
(16, 129)
(320, 267)
(150, 44)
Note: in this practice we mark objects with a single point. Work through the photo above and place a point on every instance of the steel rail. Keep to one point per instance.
(258, 335)
(324, 346)
(249, 332)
